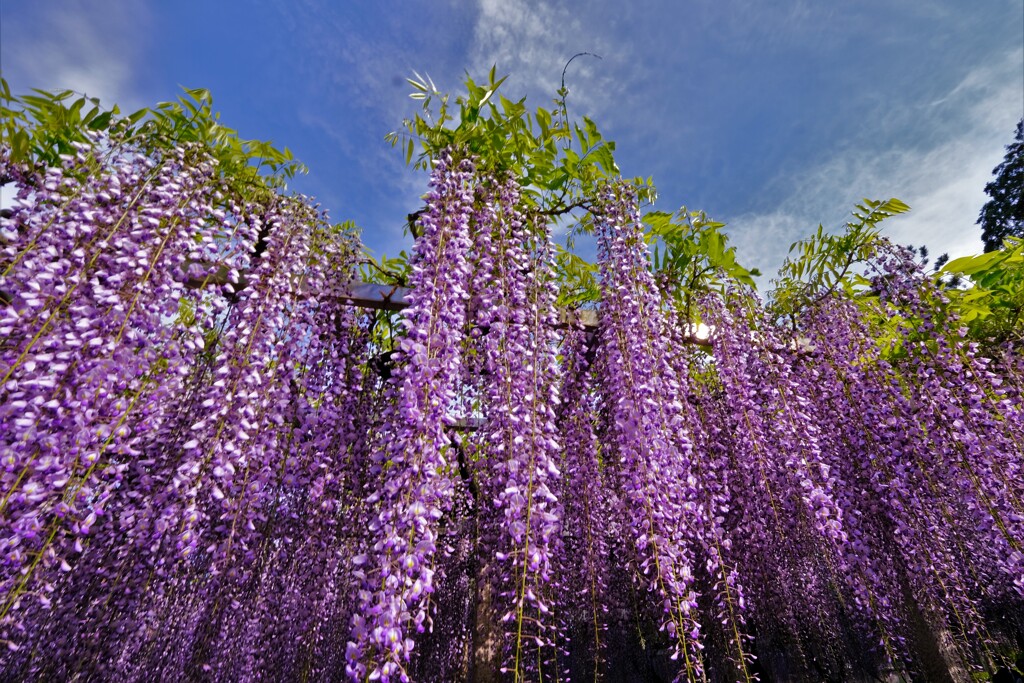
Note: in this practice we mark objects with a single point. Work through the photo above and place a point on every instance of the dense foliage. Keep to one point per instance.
(215, 468)
(1003, 214)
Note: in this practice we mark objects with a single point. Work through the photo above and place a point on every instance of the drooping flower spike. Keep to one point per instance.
(214, 468)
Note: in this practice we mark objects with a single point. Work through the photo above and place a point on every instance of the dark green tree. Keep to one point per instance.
(1003, 215)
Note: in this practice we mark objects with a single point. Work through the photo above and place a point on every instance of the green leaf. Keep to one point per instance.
(894, 206)
(76, 108)
(969, 265)
(199, 94)
(20, 146)
(604, 157)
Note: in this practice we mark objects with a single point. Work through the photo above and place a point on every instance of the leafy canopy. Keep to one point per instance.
(992, 306)
(40, 127)
(1003, 214)
(826, 264)
(559, 164)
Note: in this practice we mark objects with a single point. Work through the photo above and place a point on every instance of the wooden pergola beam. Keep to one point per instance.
(395, 298)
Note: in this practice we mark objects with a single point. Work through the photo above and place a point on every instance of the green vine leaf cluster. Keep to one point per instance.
(560, 164)
(992, 306)
(690, 256)
(38, 128)
(826, 263)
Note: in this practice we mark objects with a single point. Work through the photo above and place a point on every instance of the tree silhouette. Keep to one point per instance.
(1003, 215)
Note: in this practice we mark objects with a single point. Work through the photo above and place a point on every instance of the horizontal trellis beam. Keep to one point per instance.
(395, 298)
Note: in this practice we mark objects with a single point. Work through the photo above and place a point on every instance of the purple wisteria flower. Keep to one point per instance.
(214, 468)
(515, 313)
(415, 490)
(646, 437)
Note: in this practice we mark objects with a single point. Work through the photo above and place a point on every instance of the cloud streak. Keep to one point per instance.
(942, 180)
(532, 41)
(88, 46)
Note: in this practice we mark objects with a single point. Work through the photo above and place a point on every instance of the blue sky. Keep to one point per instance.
(771, 116)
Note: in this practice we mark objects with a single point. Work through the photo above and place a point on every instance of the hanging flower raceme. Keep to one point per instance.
(876, 448)
(516, 318)
(810, 489)
(300, 526)
(583, 565)
(646, 439)
(140, 306)
(91, 366)
(414, 489)
(964, 424)
(719, 504)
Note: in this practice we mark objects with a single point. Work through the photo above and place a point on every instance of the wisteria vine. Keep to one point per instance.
(215, 468)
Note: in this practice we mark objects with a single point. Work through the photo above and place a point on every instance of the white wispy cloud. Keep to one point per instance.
(943, 181)
(90, 46)
(351, 90)
(532, 40)
(524, 37)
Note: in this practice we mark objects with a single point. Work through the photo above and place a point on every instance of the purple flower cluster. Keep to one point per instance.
(415, 488)
(646, 442)
(779, 447)
(165, 366)
(89, 359)
(517, 342)
(719, 504)
(206, 475)
(588, 524)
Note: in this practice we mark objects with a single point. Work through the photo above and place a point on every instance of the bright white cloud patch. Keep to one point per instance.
(943, 182)
(532, 41)
(524, 37)
(88, 46)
